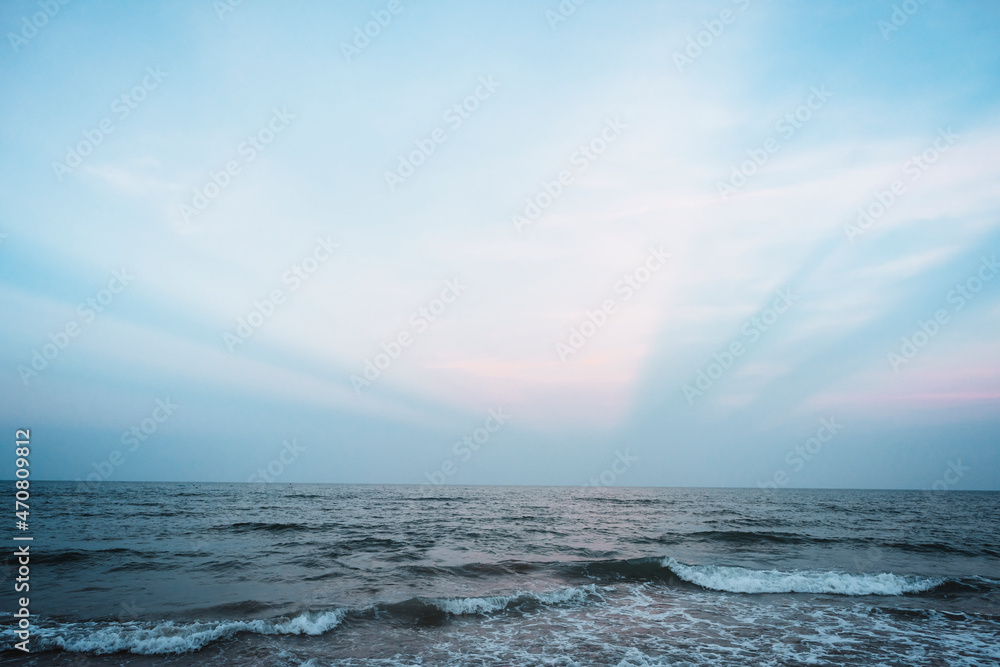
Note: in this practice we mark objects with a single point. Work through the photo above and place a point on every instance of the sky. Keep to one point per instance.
(729, 243)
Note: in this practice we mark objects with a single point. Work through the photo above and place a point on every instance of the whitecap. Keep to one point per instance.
(169, 637)
(745, 580)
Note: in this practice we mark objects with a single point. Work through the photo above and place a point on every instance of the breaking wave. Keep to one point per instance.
(495, 603)
(745, 580)
(170, 637)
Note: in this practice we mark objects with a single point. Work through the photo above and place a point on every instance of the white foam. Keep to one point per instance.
(485, 605)
(169, 637)
(744, 580)
(636, 658)
(459, 606)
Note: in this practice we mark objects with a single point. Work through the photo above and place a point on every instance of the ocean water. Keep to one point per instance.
(313, 575)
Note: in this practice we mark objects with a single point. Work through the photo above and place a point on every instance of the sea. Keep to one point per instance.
(313, 575)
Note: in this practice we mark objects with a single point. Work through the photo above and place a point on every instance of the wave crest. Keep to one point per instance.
(169, 637)
(745, 580)
(494, 603)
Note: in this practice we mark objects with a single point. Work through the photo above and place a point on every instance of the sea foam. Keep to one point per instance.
(485, 605)
(169, 637)
(745, 580)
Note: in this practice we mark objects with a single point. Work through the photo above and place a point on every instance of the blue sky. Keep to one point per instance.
(807, 113)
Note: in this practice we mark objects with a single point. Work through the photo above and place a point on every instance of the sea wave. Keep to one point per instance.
(745, 580)
(176, 637)
(169, 637)
(495, 603)
(785, 537)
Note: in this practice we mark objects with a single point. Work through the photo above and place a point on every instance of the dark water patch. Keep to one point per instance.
(544, 531)
(432, 612)
(248, 609)
(741, 537)
(632, 502)
(755, 538)
(325, 575)
(369, 544)
(258, 526)
(633, 569)
(65, 556)
(226, 565)
(951, 587)
(479, 571)
(144, 566)
(925, 547)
